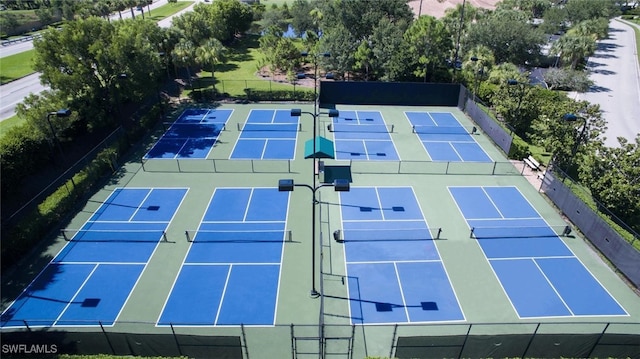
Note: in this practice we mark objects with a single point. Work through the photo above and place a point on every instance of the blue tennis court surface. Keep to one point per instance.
(444, 138)
(539, 273)
(192, 135)
(394, 271)
(231, 273)
(89, 281)
(362, 135)
(267, 134)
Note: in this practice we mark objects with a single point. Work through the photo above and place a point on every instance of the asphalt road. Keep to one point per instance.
(14, 92)
(616, 75)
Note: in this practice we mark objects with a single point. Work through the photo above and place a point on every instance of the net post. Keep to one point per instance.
(224, 127)
(289, 236)
(299, 126)
(392, 128)
(413, 128)
(186, 233)
(471, 233)
(64, 235)
(238, 125)
(439, 232)
(164, 236)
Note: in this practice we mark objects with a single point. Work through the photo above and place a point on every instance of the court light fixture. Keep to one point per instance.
(288, 185)
(572, 117)
(60, 113)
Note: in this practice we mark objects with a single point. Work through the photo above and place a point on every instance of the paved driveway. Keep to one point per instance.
(616, 76)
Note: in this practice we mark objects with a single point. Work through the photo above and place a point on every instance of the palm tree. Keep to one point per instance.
(131, 4)
(211, 53)
(572, 48)
(183, 53)
(120, 6)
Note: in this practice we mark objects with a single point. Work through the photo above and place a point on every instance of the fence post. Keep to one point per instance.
(533, 335)
(464, 343)
(244, 344)
(107, 338)
(595, 345)
(393, 340)
(175, 337)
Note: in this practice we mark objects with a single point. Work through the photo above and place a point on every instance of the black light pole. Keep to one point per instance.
(339, 185)
(59, 113)
(315, 76)
(296, 112)
(571, 117)
(476, 76)
(461, 24)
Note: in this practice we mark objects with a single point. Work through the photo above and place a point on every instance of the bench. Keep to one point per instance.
(532, 163)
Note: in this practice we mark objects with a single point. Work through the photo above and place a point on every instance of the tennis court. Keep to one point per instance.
(206, 258)
(393, 268)
(362, 135)
(444, 138)
(231, 273)
(267, 134)
(193, 134)
(89, 281)
(538, 272)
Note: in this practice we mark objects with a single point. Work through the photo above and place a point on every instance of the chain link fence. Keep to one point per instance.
(435, 340)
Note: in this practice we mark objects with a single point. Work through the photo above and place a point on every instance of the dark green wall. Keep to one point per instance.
(388, 93)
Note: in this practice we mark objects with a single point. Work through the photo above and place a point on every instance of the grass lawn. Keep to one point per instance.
(167, 10)
(13, 121)
(268, 3)
(16, 66)
(240, 72)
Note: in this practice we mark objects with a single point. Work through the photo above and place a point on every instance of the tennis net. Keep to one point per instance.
(99, 235)
(278, 127)
(445, 130)
(370, 235)
(256, 236)
(345, 127)
(520, 232)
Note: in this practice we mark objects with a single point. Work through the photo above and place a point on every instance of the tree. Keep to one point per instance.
(8, 22)
(184, 53)
(342, 45)
(429, 43)
(554, 20)
(567, 79)
(302, 19)
(509, 36)
(363, 58)
(598, 29)
(572, 48)
(458, 20)
(360, 20)
(223, 20)
(566, 140)
(274, 17)
(613, 176)
(211, 53)
(120, 6)
(231, 17)
(84, 61)
(580, 10)
(386, 40)
(534, 8)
